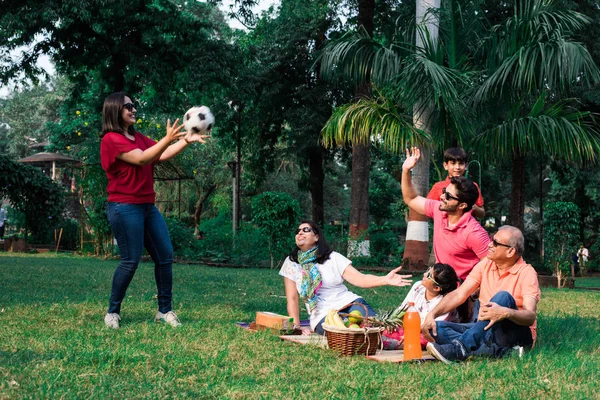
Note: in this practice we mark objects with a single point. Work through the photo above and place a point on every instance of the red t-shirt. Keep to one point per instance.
(461, 246)
(436, 191)
(127, 183)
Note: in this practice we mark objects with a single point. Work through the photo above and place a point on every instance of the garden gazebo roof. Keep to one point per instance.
(50, 159)
(45, 158)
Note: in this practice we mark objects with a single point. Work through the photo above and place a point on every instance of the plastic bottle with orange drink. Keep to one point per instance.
(412, 334)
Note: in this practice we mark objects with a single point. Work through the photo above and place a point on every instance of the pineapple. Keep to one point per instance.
(390, 320)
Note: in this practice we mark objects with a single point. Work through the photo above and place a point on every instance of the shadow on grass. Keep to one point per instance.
(23, 358)
(567, 334)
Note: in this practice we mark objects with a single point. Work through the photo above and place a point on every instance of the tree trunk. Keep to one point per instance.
(198, 210)
(358, 244)
(317, 177)
(416, 248)
(517, 193)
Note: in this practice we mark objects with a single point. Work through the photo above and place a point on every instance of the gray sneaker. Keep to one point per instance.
(447, 353)
(169, 317)
(112, 320)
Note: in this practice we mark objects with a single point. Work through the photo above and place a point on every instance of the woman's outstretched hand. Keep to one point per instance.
(393, 279)
(174, 131)
(196, 137)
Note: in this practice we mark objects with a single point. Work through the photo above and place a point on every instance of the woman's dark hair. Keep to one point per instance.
(446, 277)
(324, 249)
(111, 114)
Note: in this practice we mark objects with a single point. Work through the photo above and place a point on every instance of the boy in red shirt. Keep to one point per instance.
(455, 162)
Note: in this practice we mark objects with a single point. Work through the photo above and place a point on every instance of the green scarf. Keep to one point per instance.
(311, 277)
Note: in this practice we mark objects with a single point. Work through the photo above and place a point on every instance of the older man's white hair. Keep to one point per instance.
(517, 240)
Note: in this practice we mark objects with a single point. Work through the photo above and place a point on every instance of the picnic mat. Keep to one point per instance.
(394, 356)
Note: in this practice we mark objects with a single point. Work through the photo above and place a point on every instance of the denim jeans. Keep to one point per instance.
(136, 226)
(319, 328)
(494, 342)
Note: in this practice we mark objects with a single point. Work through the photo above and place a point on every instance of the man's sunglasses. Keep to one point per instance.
(306, 229)
(129, 106)
(429, 275)
(496, 243)
(449, 196)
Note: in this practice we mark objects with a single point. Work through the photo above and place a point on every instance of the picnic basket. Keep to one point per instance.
(351, 341)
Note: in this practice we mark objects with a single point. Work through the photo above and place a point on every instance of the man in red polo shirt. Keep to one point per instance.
(509, 293)
(458, 238)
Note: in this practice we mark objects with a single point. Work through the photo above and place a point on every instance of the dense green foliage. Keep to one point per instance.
(53, 343)
(561, 225)
(31, 193)
(276, 214)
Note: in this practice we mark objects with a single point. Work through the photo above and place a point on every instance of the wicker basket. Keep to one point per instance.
(351, 341)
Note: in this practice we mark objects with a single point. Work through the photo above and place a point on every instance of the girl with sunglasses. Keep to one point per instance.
(438, 281)
(314, 273)
(128, 157)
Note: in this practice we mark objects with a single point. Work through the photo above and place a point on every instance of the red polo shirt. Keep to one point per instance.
(127, 183)
(461, 246)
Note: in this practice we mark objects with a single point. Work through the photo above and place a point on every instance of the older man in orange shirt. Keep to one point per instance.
(509, 293)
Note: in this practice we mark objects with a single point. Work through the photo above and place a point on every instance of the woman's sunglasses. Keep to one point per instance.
(129, 106)
(306, 229)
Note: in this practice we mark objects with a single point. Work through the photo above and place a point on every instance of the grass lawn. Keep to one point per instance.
(588, 282)
(53, 343)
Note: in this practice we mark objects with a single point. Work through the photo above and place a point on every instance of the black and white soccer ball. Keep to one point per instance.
(198, 120)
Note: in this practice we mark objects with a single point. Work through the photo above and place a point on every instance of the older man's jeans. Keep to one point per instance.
(494, 342)
(136, 226)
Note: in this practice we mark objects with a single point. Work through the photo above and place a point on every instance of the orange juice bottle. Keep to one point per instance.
(412, 334)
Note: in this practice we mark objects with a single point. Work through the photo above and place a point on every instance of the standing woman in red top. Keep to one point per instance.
(128, 157)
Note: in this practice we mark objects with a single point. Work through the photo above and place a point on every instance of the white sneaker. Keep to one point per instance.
(169, 317)
(112, 320)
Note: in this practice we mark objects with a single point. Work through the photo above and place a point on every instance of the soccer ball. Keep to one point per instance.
(198, 120)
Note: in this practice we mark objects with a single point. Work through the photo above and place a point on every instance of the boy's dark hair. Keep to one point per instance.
(324, 249)
(111, 114)
(466, 191)
(446, 277)
(455, 154)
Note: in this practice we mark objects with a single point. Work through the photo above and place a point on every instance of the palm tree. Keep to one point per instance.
(425, 80)
(530, 64)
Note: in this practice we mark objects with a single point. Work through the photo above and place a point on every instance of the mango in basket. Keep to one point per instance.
(354, 326)
(355, 317)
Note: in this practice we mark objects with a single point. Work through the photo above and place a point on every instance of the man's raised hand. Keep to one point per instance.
(412, 157)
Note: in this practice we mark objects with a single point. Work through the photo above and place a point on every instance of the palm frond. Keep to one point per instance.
(556, 130)
(374, 121)
(534, 49)
(358, 57)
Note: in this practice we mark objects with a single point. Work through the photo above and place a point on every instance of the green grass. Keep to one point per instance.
(53, 343)
(587, 282)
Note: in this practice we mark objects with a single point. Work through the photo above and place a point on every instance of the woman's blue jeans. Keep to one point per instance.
(319, 328)
(136, 226)
(493, 342)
